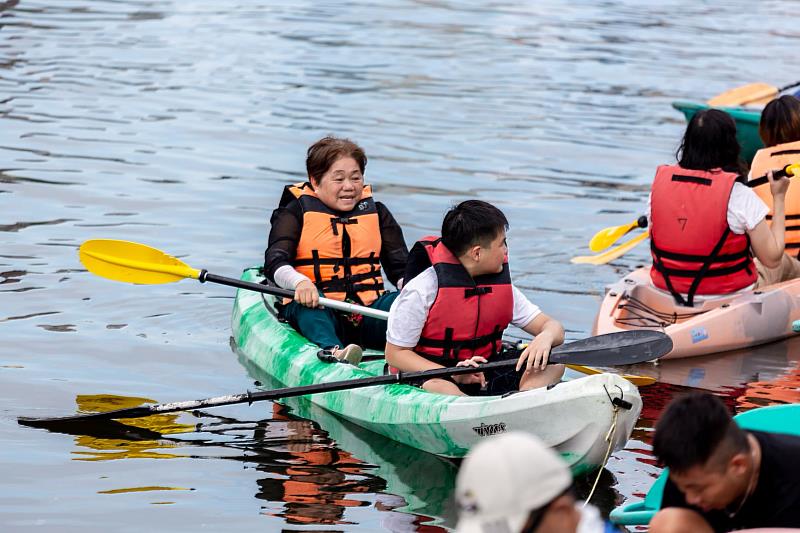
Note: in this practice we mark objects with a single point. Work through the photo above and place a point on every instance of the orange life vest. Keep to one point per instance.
(469, 315)
(694, 250)
(340, 252)
(774, 158)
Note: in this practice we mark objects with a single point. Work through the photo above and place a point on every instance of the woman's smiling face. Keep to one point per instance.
(340, 188)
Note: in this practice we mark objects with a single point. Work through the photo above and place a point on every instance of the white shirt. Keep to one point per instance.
(745, 209)
(410, 310)
(286, 277)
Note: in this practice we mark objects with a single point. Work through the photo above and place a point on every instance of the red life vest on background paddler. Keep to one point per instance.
(340, 252)
(694, 250)
(469, 314)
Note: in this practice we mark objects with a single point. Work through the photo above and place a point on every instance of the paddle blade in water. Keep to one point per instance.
(132, 262)
(753, 94)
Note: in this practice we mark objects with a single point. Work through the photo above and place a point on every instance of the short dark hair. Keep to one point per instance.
(326, 151)
(710, 142)
(692, 429)
(780, 121)
(471, 222)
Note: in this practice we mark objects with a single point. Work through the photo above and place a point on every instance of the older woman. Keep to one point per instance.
(330, 237)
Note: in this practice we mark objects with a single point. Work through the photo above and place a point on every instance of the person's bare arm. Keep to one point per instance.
(548, 333)
(768, 242)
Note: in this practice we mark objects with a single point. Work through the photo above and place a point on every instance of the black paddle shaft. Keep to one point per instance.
(621, 348)
(776, 174)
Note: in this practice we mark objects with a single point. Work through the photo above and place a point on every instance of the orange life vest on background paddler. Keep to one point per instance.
(775, 158)
(340, 252)
(469, 315)
(694, 250)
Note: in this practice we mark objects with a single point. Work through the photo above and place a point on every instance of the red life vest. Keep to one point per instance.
(340, 252)
(694, 250)
(469, 314)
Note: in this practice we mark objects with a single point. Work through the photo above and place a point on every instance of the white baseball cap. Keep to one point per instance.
(503, 479)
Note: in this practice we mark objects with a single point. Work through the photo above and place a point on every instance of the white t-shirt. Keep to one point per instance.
(410, 310)
(745, 209)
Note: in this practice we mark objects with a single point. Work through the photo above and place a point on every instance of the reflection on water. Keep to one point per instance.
(106, 449)
(744, 380)
(303, 477)
(177, 124)
(424, 482)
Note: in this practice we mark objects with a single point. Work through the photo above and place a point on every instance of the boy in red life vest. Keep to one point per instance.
(457, 301)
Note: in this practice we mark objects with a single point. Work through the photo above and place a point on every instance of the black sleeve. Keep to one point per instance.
(394, 252)
(284, 235)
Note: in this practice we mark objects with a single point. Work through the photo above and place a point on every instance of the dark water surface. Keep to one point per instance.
(177, 123)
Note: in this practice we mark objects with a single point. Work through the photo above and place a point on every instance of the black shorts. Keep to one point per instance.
(498, 381)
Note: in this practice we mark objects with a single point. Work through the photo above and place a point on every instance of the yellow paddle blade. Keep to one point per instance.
(754, 94)
(132, 262)
(610, 255)
(639, 381)
(608, 236)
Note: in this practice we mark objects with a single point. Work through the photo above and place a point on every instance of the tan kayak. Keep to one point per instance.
(741, 320)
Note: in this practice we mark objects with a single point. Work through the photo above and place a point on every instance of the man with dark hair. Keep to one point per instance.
(722, 478)
(457, 301)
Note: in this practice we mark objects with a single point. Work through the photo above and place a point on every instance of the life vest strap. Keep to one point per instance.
(448, 344)
(343, 221)
(723, 258)
(703, 272)
(476, 291)
(341, 261)
(785, 152)
(689, 273)
(692, 179)
(786, 217)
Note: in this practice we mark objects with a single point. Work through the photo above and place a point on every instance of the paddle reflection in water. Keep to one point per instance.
(303, 476)
(125, 446)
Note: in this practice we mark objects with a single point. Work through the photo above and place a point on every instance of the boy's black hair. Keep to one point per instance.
(692, 429)
(471, 222)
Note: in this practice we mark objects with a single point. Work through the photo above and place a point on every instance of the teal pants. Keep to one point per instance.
(327, 328)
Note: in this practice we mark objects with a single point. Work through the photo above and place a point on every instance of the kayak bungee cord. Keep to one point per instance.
(618, 403)
(658, 319)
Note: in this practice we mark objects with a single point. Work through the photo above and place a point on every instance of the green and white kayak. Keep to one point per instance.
(746, 118)
(775, 419)
(574, 417)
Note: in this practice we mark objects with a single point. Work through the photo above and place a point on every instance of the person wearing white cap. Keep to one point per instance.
(513, 483)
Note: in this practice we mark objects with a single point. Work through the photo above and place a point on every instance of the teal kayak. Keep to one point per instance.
(747, 120)
(775, 418)
(574, 417)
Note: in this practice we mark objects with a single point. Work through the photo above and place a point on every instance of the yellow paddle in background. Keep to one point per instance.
(639, 381)
(613, 253)
(608, 236)
(754, 93)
